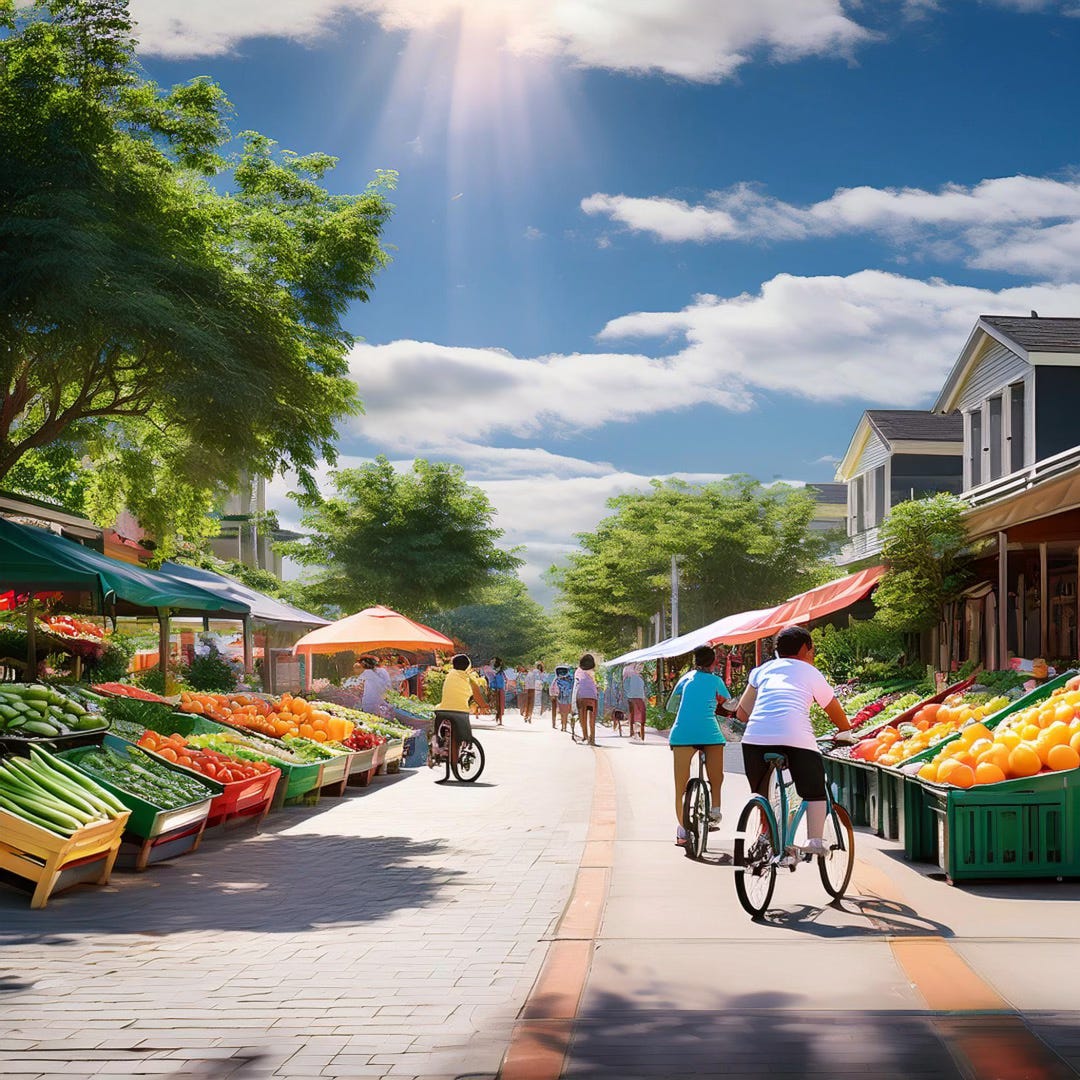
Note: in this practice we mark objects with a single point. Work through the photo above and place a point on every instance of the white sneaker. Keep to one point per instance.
(715, 817)
(815, 845)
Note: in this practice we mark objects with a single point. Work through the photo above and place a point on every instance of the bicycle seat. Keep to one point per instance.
(780, 759)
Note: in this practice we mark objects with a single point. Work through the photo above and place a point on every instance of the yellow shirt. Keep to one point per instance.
(457, 689)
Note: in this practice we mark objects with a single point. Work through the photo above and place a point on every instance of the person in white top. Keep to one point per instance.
(776, 710)
(375, 685)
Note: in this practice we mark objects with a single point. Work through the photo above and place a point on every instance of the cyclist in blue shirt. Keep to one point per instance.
(694, 701)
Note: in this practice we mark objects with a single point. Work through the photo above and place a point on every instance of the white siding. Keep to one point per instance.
(875, 453)
(998, 367)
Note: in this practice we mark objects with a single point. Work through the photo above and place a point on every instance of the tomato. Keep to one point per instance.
(224, 776)
(168, 753)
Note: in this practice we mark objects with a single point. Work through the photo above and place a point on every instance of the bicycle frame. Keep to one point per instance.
(787, 824)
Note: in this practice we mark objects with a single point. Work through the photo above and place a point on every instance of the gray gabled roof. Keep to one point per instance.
(1037, 333)
(894, 425)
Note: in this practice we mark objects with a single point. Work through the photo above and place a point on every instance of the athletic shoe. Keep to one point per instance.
(680, 836)
(715, 815)
(816, 845)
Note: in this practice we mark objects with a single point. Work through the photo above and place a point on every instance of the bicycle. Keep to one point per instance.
(761, 848)
(697, 801)
(465, 759)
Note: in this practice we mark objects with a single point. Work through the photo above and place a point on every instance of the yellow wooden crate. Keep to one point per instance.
(40, 856)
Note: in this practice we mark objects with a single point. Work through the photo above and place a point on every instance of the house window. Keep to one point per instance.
(1016, 426)
(995, 435)
(879, 494)
(975, 449)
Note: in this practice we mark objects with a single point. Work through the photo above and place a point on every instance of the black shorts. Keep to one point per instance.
(461, 722)
(805, 766)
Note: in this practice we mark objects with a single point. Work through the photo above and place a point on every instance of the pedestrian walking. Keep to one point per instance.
(585, 697)
(374, 684)
(497, 684)
(534, 688)
(523, 689)
(634, 688)
(562, 692)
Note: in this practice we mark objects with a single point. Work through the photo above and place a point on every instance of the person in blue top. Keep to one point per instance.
(497, 684)
(694, 701)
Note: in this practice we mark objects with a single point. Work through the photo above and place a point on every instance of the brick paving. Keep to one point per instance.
(393, 932)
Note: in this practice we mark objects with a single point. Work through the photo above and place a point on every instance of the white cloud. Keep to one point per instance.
(699, 40)
(533, 233)
(1035, 219)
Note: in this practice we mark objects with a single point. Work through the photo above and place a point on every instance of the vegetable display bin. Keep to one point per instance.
(362, 768)
(49, 862)
(238, 798)
(148, 820)
(296, 780)
(20, 746)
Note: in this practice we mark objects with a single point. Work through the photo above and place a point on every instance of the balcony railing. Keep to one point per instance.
(1024, 479)
(860, 546)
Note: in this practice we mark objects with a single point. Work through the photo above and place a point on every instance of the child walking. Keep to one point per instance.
(585, 697)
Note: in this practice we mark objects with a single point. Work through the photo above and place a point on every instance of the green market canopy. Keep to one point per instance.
(36, 560)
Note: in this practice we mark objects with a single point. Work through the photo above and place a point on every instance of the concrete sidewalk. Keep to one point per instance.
(393, 932)
(908, 976)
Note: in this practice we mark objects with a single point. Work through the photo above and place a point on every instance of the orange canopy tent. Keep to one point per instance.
(373, 628)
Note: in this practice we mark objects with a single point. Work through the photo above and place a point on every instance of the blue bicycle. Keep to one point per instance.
(765, 843)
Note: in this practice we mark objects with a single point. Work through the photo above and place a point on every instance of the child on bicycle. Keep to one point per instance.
(694, 701)
(460, 685)
(776, 710)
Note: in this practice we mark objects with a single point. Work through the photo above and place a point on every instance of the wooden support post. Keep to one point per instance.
(1044, 604)
(31, 640)
(163, 645)
(249, 645)
(1002, 659)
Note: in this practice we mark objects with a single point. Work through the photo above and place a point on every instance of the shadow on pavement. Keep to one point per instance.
(267, 882)
(885, 916)
(753, 1035)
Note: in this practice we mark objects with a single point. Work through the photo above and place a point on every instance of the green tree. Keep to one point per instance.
(739, 546)
(503, 621)
(416, 541)
(924, 546)
(177, 311)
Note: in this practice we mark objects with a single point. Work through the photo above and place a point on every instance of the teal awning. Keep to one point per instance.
(33, 559)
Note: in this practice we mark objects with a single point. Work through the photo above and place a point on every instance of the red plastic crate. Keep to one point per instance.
(244, 798)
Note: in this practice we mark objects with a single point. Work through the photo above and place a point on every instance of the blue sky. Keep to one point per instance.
(666, 237)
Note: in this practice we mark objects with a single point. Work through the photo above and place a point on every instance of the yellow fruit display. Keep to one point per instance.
(1044, 736)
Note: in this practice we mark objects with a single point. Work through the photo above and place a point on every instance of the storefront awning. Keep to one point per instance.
(750, 626)
(36, 560)
(373, 628)
(263, 608)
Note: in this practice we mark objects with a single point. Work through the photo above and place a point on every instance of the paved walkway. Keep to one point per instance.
(419, 930)
(393, 932)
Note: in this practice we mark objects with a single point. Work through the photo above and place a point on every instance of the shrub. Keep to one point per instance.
(211, 671)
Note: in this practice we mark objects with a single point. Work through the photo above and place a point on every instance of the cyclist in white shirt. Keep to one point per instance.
(776, 710)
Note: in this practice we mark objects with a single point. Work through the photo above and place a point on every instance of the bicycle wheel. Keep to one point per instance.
(836, 867)
(695, 817)
(469, 762)
(757, 843)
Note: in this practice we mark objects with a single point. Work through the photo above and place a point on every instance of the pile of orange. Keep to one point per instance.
(290, 716)
(1042, 737)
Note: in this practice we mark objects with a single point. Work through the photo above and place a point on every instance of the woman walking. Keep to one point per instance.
(585, 697)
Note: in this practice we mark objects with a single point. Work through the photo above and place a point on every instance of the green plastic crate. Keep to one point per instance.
(147, 819)
(849, 784)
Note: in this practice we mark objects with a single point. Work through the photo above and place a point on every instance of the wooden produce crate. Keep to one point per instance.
(362, 768)
(137, 853)
(335, 775)
(395, 752)
(50, 862)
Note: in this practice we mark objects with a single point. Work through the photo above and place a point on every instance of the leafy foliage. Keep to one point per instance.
(740, 546)
(504, 621)
(176, 313)
(415, 541)
(864, 649)
(925, 549)
(210, 672)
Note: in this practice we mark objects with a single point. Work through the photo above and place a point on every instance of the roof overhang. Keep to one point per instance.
(846, 469)
(1043, 500)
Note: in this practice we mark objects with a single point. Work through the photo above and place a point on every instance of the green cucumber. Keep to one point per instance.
(8, 713)
(21, 812)
(40, 727)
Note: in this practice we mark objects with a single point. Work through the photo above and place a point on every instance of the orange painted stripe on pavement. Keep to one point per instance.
(943, 977)
(541, 1038)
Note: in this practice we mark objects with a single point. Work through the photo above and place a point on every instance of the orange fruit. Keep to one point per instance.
(1062, 757)
(1009, 739)
(1024, 761)
(946, 769)
(1030, 732)
(1074, 742)
(307, 731)
(963, 776)
(928, 772)
(979, 747)
(1063, 713)
(1057, 734)
(988, 773)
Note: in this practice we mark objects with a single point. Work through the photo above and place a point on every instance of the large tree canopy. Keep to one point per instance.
(739, 546)
(188, 303)
(504, 621)
(416, 541)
